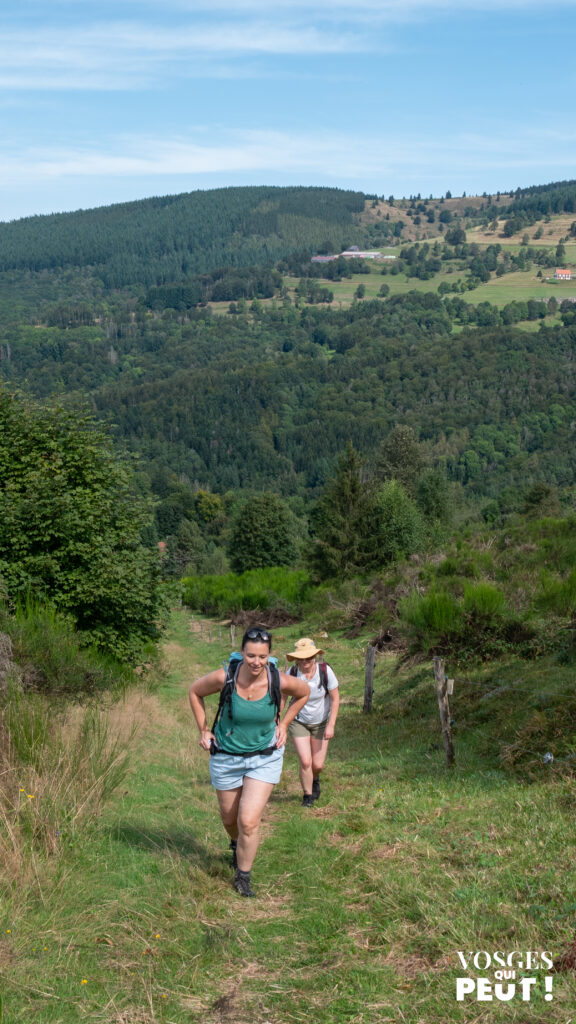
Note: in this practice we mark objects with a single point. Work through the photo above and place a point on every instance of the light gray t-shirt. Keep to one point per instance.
(317, 707)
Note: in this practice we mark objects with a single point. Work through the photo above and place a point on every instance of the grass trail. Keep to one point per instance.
(364, 900)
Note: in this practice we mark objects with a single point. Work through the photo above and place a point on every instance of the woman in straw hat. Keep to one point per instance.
(313, 726)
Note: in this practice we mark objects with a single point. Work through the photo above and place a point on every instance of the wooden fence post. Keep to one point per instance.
(232, 634)
(444, 707)
(369, 679)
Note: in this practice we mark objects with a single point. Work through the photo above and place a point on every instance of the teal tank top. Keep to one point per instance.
(250, 728)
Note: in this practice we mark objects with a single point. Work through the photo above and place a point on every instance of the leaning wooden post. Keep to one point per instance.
(443, 705)
(232, 633)
(369, 679)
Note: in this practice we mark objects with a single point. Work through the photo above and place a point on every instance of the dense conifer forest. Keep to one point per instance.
(199, 330)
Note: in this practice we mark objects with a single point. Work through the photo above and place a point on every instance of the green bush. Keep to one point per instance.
(484, 601)
(479, 625)
(51, 656)
(430, 619)
(71, 525)
(261, 589)
(559, 595)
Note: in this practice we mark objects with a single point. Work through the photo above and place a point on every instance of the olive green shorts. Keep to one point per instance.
(307, 729)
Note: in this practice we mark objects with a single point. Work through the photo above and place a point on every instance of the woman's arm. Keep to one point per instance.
(299, 690)
(203, 687)
(334, 696)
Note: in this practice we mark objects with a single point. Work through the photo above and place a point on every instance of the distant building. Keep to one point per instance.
(354, 253)
(562, 275)
(323, 259)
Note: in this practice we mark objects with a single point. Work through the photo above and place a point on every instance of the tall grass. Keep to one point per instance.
(59, 760)
(52, 656)
(59, 764)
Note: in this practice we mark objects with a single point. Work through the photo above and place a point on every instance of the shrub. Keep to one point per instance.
(261, 589)
(484, 601)
(559, 595)
(430, 619)
(70, 526)
(52, 657)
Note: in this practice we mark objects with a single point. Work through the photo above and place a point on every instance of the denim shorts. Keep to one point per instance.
(228, 771)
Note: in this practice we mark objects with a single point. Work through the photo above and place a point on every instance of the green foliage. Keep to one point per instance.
(431, 619)
(510, 591)
(397, 528)
(263, 589)
(72, 763)
(263, 533)
(484, 601)
(361, 523)
(199, 231)
(70, 527)
(558, 595)
(52, 656)
(400, 457)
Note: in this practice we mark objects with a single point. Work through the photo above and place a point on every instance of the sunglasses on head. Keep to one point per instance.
(259, 634)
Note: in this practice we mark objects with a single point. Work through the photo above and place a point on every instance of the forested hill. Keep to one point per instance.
(167, 239)
(201, 330)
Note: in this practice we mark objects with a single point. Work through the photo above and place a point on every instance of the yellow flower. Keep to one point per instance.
(84, 981)
(30, 796)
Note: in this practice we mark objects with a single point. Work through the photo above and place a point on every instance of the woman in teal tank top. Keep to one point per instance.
(247, 744)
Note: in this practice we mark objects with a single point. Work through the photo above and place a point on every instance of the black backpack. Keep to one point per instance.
(228, 688)
(323, 674)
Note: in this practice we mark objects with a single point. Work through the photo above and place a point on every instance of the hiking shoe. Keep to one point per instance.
(242, 883)
(307, 800)
(315, 789)
(233, 845)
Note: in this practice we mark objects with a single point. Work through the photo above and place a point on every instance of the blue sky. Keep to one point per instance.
(108, 102)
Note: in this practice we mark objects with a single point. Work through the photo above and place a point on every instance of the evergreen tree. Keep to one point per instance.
(263, 534)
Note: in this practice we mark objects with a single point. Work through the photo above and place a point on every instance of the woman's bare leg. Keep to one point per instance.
(255, 796)
(229, 801)
(304, 750)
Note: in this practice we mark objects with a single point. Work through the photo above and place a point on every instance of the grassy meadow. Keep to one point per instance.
(363, 901)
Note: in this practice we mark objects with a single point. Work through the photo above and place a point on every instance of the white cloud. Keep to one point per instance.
(260, 152)
(389, 10)
(85, 57)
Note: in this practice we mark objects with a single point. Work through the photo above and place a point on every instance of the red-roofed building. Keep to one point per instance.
(562, 275)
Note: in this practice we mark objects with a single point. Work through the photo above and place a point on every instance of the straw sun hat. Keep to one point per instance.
(304, 648)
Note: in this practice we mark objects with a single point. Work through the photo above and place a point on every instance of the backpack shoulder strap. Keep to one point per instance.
(226, 691)
(323, 668)
(275, 688)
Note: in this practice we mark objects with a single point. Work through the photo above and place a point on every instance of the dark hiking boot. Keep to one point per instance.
(307, 800)
(242, 883)
(316, 789)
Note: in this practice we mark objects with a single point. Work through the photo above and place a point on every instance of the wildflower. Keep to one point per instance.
(30, 796)
(84, 981)
(8, 931)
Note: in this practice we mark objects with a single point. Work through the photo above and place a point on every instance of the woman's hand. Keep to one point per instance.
(329, 732)
(206, 737)
(280, 735)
